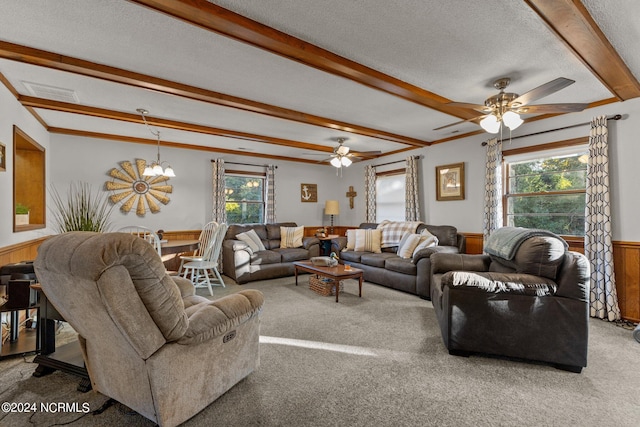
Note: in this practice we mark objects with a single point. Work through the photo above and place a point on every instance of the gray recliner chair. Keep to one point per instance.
(530, 301)
(137, 325)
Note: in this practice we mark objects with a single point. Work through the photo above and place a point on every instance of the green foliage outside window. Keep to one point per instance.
(548, 193)
(245, 199)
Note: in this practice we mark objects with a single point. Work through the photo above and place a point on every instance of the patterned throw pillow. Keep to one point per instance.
(368, 241)
(252, 240)
(409, 245)
(291, 237)
(426, 241)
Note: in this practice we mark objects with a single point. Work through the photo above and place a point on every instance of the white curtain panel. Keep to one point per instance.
(412, 190)
(493, 188)
(219, 208)
(270, 214)
(597, 240)
(370, 190)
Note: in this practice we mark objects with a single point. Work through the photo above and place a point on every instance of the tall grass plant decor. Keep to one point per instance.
(82, 210)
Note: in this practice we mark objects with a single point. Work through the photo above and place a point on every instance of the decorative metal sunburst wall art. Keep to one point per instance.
(130, 187)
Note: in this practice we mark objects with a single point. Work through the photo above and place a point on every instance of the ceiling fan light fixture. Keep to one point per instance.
(336, 162)
(346, 162)
(490, 124)
(512, 120)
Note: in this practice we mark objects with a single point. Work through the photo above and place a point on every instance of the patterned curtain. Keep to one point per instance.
(412, 190)
(270, 214)
(370, 190)
(219, 208)
(493, 188)
(597, 238)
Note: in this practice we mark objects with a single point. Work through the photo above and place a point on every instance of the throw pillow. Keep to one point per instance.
(408, 246)
(368, 241)
(291, 237)
(351, 239)
(252, 240)
(427, 240)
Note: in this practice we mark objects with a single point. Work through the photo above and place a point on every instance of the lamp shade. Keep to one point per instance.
(331, 207)
(512, 120)
(336, 162)
(490, 124)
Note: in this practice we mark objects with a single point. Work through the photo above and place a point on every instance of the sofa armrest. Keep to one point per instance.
(500, 283)
(236, 245)
(444, 262)
(338, 244)
(462, 243)
(185, 286)
(215, 318)
(427, 252)
(307, 242)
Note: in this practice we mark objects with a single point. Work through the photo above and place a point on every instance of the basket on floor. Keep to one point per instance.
(323, 285)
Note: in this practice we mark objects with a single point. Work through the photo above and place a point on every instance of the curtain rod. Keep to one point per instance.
(245, 164)
(615, 117)
(417, 157)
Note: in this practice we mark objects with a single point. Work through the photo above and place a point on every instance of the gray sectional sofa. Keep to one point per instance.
(388, 269)
(244, 265)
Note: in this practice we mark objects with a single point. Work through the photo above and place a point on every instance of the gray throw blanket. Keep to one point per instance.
(504, 242)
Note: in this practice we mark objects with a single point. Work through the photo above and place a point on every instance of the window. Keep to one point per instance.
(547, 190)
(390, 197)
(244, 198)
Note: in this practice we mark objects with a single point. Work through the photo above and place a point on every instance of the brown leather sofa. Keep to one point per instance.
(408, 275)
(533, 306)
(244, 266)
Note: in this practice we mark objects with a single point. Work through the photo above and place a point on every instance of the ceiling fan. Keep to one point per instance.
(506, 107)
(342, 156)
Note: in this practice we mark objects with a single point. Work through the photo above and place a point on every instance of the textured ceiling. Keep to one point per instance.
(453, 49)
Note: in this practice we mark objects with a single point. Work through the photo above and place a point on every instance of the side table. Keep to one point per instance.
(325, 244)
(66, 358)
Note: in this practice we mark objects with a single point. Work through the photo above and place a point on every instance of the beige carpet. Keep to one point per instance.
(373, 361)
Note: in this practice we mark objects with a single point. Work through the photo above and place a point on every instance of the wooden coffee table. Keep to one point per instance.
(336, 274)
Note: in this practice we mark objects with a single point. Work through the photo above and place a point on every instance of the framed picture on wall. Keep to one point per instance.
(3, 157)
(309, 193)
(450, 182)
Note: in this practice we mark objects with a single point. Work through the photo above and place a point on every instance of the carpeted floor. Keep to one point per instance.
(372, 361)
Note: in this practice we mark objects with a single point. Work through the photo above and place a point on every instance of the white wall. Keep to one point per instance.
(86, 159)
(89, 160)
(12, 113)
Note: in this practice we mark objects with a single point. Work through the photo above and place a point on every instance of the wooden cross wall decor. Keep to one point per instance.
(351, 195)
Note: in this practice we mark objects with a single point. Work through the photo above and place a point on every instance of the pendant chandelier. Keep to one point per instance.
(155, 169)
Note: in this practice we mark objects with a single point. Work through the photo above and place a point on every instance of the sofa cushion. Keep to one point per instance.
(401, 265)
(291, 237)
(376, 260)
(292, 254)
(351, 256)
(538, 255)
(447, 235)
(351, 239)
(265, 257)
(368, 241)
(235, 229)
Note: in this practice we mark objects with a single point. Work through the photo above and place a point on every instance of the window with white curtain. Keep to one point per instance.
(547, 189)
(390, 196)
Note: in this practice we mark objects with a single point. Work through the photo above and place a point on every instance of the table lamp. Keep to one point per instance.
(331, 208)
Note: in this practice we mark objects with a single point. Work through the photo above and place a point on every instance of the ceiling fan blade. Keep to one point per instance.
(474, 119)
(364, 153)
(551, 108)
(476, 107)
(542, 91)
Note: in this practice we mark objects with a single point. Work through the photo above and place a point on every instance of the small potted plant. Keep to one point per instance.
(22, 214)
